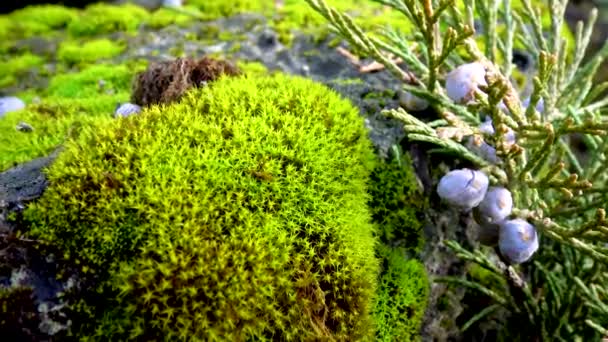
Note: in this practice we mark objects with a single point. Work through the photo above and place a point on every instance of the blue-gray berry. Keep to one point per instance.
(464, 188)
(517, 240)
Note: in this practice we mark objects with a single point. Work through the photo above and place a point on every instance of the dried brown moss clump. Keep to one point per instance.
(167, 81)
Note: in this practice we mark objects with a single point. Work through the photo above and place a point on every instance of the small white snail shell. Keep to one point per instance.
(496, 205)
(462, 82)
(10, 104)
(412, 102)
(463, 188)
(517, 240)
(126, 109)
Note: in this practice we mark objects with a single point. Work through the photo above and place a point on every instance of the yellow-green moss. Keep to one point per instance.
(164, 17)
(102, 18)
(238, 213)
(52, 121)
(71, 100)
(369, 15)
(76, 52)
(217, 9)
(35, 20)
(252, 68)
(16, 66)
(85, 84)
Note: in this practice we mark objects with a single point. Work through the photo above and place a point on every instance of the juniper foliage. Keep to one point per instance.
(556, 187)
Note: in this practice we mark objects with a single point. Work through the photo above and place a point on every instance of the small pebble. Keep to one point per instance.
(172, 3)
(10, 104)
(126, 109)
(24, 127)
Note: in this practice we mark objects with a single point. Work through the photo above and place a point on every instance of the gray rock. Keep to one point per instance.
(24, 182)
(24, 127)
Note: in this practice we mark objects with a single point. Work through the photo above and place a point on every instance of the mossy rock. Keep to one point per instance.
(76, 52)
(18, 66)
(402, 296)
(397, 204)
(72, 100)
(238, 213)
(102, 18)
(35, 20)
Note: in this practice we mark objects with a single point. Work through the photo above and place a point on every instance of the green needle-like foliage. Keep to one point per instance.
(562, 191)
(239, 213)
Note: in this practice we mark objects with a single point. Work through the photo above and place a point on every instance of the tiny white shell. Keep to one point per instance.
(10, 104)
(517, 240)
(412, 102)
(497, 204)
(127, 109)
(463, 188)
(462, 82)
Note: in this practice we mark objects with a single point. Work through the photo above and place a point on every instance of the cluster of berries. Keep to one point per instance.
(469, 189)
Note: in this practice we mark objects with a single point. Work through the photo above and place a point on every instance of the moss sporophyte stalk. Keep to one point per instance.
(460, 64)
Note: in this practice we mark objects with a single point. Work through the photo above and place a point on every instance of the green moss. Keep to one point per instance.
(401, 299)
(102, 18)
(486, 278)
(397, 204)
(177, 50)
(210, 10)
(71, 100)
(298, 15)
(348, 81)
(164, 17)
(252, 68)
(16, 66)
(235, 47)
(75, 52)
(238, 213)
(52, 121)
(85, 84)
(35, 21)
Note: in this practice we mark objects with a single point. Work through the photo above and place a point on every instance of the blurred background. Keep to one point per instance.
(577, 10)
